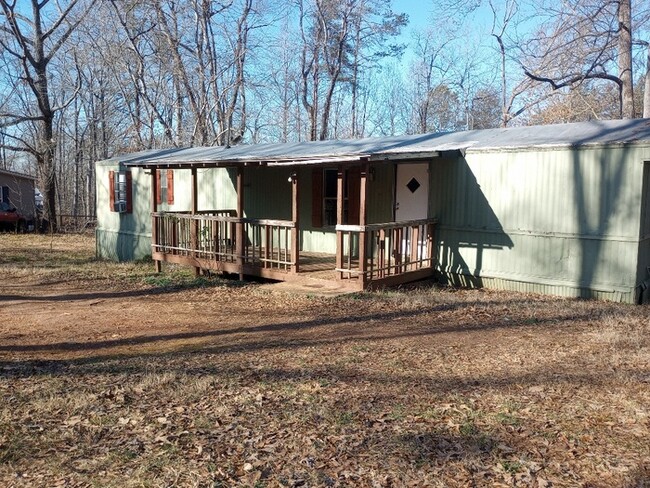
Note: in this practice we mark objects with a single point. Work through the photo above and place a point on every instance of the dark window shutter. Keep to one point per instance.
(170, 186)
(129, 192)
(354, 195)
(158, 188)
(111, 189)
(317, 198)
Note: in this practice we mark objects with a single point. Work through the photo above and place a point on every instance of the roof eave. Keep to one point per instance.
(234, 163)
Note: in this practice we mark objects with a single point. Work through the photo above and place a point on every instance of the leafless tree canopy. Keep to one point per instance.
(82, 80)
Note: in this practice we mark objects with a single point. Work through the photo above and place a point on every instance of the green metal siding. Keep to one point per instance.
(267, 193)
(381, 194)
(563, 220)
(643, 266)
(124, 237)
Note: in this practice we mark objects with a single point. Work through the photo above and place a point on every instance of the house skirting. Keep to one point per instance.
(122, 245)
(545, 287)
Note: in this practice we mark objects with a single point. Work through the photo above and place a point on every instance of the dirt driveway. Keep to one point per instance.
(111, 375)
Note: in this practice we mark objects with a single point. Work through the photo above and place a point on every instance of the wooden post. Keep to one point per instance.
(363, 193)
(194, 237)
(239, 238)
(432, 248)
(340, 195)
(154, 209)
(381, 253)
(295, 217)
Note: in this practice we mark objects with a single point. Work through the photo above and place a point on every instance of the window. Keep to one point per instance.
(324, 196)
(120, 189)
(4, 194)
(330, 180)
(165, 184)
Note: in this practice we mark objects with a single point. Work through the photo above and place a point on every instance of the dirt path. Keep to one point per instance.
(113, 376)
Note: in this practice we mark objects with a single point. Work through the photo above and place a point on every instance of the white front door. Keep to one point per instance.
(412, 192)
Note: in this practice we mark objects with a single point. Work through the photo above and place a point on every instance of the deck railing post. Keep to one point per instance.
(432, 249)
(416, 252)
(295, 217)
(363, 193)
(339, 220)
(239, 238)
(154, 223)
(194, 232)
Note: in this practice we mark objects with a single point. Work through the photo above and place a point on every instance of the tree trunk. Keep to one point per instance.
(625, 58)
(45, 157)
(646, 87)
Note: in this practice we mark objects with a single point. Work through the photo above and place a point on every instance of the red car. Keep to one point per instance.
(10, 219)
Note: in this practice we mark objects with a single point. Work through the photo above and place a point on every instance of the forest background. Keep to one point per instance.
(83, 80)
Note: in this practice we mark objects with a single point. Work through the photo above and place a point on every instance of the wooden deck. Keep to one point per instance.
(318, 265)
(369, 256)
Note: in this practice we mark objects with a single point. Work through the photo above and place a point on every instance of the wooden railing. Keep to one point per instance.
(378, 251)
(203, 235)
(213, 236)
(388, 253)
(268, 243)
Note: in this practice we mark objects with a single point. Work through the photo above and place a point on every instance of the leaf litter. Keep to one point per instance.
(109, 378)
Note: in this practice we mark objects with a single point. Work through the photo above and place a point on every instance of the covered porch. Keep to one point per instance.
(234, 240)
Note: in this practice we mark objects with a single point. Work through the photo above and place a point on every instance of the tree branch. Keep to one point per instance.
(17, 120)
(573, 79)
(64, 37)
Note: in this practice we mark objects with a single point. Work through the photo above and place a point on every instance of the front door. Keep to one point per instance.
(412, 192)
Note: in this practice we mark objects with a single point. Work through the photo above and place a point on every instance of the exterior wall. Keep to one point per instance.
(122, 236)
(564, 222)
(557, 221)
(643, 265)
(379, 207)
(21, 193)
(125, 237)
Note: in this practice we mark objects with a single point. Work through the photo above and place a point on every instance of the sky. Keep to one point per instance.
(420, 13)
(417, 10)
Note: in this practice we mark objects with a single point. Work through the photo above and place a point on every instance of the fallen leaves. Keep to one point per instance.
(230, 387)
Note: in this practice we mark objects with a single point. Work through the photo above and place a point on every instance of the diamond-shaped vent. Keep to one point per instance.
(413, 185)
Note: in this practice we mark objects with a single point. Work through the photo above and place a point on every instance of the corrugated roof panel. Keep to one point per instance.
(558, 135)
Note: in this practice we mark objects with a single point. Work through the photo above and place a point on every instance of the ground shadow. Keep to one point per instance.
(268, 327)
(467, 222)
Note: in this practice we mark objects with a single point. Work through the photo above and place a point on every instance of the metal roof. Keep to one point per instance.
(15, 174)
(575, 135)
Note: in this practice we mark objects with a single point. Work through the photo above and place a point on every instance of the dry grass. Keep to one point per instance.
(113, 376)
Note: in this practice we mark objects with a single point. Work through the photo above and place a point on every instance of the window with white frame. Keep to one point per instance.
(120, 191)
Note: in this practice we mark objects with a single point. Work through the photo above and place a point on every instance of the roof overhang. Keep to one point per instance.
(234, 163)
(350, 159)
(15, 174)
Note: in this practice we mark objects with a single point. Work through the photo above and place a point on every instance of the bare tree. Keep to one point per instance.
(586, 40)
(338, 38)
(34, 39)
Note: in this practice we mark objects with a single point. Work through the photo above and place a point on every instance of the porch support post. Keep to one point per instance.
(363, 193)
(239, 246)
(339, 219)
(195, 223)
(295, 217)
(154, 222)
